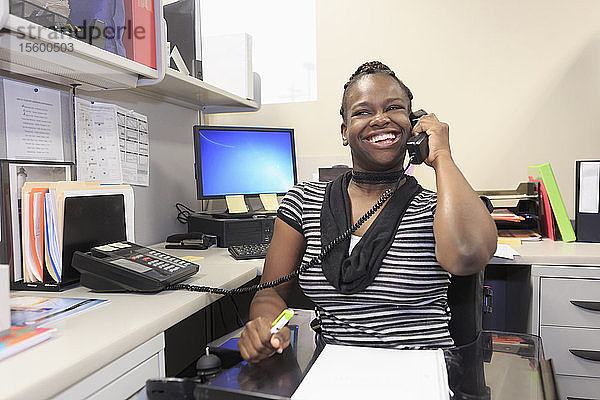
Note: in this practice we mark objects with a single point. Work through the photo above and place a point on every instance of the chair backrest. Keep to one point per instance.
(465, 298)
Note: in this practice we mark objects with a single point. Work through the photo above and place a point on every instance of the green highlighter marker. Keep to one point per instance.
(281, 320)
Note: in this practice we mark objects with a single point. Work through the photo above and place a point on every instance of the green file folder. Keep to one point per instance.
(544, 172)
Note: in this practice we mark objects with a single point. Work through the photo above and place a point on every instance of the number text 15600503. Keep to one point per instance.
(45, 47)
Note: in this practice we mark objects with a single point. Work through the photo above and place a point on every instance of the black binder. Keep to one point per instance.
(587, 223)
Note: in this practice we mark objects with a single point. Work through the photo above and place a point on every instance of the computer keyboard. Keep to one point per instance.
(248, 251)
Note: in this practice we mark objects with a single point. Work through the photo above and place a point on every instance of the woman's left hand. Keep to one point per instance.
(438, 132)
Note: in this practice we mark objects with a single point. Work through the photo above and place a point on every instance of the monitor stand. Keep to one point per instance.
(228, 215)
(249, 214)
(238, 204)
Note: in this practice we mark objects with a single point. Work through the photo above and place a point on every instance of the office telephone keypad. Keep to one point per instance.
(142, 255)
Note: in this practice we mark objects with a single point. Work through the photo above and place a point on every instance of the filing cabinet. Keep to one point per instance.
(566, 314)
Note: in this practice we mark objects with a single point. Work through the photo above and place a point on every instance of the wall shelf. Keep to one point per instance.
(94, 68)
(70, 61)
(185, 90)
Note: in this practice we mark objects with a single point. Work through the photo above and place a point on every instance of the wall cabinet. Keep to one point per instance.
(27, 48)
(32, 50)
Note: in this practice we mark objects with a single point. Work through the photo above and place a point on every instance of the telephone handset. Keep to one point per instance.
(417, 145)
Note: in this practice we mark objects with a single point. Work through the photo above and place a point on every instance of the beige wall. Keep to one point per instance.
(518, 82)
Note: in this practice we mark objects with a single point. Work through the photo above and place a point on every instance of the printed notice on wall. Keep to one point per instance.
(134, 147)
(33, 122)
(97, 146)
(112, 144)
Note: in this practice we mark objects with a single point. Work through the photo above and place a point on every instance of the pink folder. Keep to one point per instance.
(547, 223)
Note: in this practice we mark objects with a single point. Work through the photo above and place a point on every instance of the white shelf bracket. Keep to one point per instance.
(162, 58)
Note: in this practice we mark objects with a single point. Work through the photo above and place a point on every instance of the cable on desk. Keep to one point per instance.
(237, 311)
(220, 305)
(183, 212)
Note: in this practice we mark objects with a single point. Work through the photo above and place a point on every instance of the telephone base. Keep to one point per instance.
(128, 267)
(102, 285)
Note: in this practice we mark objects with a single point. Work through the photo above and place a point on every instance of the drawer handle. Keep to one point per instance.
(592, 355)
(577, 398)
(588, 305)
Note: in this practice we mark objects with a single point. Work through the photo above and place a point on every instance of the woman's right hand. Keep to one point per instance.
(256, 342)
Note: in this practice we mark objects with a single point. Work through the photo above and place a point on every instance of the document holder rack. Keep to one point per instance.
(524, 201)
(88, 221)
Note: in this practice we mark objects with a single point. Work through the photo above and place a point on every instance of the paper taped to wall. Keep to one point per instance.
(112, 144)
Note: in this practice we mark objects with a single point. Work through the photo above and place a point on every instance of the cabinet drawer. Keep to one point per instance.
(560, 344)
(130, 383)
(577, 388)
(570, 302)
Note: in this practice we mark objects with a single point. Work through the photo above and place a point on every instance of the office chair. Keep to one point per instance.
(465, 299)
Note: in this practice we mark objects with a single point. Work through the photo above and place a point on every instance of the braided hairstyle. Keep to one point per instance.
(371, 67)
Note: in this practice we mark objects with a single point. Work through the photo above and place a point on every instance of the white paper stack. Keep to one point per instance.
(348, 372)
(506, 251)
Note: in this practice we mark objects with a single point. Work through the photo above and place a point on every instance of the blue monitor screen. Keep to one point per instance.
(249, 161)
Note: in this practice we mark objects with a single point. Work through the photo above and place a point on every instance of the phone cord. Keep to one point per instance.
(316, 259)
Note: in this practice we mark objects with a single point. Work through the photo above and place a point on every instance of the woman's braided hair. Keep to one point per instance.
(371, 67)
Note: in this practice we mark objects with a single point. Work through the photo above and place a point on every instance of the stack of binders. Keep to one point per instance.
(543, 173)
(58, 218)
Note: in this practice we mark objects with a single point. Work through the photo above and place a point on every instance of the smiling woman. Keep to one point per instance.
(386, 286)
(375, 110)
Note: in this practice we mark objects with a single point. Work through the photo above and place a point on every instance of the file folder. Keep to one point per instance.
(139, 16)
(587, 200)
(59, 218)
(106, 224)
(547, 217)
(32, 230)
(544, 171)
(53, 250)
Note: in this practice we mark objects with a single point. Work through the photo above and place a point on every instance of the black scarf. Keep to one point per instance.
(352, 273)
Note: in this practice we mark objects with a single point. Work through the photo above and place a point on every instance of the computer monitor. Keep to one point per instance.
(242, 160)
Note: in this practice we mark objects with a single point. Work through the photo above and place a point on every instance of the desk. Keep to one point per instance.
(538, 287)
(89, 352)
(109, 351)
(514, 289)
(549, 252)
(493, 368)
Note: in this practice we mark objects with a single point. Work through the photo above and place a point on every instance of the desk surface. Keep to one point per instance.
(86, 342)
(549, 252)
(496, 366)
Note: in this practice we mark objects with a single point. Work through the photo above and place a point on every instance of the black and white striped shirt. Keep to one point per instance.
(406, 306)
